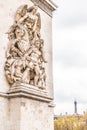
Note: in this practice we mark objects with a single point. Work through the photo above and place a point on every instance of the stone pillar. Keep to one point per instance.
(26, 82)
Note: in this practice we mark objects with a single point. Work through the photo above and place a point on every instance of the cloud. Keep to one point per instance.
(70, 55)
(71, 58)
(70, 13)
(70, 83)
(70, 46)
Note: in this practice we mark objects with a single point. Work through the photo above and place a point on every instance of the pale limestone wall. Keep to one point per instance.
(38, 115)
(46, 31)
(28, 114)
(14, 114)
(7, 13)
(4, 114)
(17, 111)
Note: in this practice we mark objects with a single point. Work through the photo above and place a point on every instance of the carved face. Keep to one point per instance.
(37, 43)
(34, 11)
(19, 32)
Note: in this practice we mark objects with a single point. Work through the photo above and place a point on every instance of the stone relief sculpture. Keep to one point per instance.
(25, 54)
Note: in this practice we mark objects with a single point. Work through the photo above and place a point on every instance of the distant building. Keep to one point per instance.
(55, 117)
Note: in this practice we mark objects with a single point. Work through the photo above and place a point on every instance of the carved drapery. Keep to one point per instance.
(25, 54)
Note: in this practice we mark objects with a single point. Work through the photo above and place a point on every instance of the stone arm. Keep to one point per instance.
(10, 48)
(43, 55)
(23, 18)
(43, 76)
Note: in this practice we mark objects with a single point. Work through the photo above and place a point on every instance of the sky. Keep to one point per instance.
(70, 56)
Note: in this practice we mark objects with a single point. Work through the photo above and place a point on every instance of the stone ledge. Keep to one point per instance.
(51, 104)
(23, 93)
(29, 91)
(46, 5)
(4, 95)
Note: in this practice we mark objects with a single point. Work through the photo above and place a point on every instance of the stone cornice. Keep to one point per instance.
(21, 92)
(27, 91)
(28, 95)
(46, 5)
(4, 95)
(49, 4)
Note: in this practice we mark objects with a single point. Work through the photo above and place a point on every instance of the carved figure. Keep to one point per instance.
(42, 79)
(16, 70)
(26, 76)
(25, 53)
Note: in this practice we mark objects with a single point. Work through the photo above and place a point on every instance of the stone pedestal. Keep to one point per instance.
(30, 110)
(25, 106)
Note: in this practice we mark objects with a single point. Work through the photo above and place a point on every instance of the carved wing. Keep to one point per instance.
(38, 22)
(20, 12)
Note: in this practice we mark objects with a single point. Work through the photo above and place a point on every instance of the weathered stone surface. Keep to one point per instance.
(30, 114)
(25, 55)
(25, 106)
